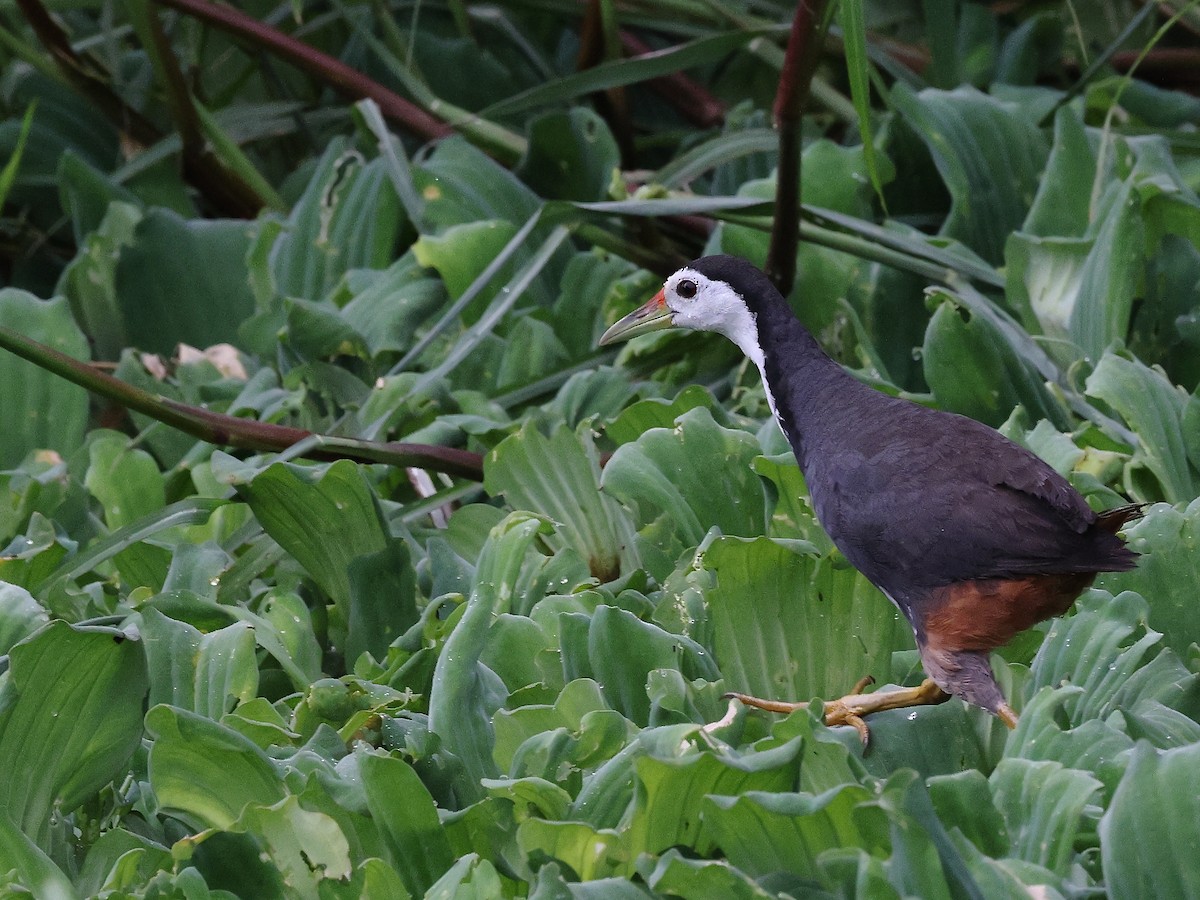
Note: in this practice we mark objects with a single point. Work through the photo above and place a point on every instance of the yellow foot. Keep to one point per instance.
(849, 710)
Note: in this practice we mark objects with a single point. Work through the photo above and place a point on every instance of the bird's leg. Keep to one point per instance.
(850, 709)
(967, 674)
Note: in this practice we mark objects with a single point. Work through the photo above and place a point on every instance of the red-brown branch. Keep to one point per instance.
(805, 45)
(341, 77)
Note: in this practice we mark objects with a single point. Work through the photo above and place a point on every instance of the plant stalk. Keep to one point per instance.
(805, 45)
(232, 431)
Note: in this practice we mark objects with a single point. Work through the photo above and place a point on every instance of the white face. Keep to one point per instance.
(702, 304)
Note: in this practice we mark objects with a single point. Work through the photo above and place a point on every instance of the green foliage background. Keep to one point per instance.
(260, 675)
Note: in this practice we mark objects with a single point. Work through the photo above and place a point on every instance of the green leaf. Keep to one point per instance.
(571, 156)
(655, 412)
(463, 699)
(192, 511)
(1097, 649)
(669, 806)
(1150, 826)
(679, 876)
(591, 853)
(79, 691)
(383, 600)
(616, 73)
(973, 370)
(964, 801)
(32, 868)
(20, 615)
(1045, 732)
(388, 307)
(989, 156)
(692, 477)
(461, 184)
(925, 860)
(953, 737)
(207, 773)
(470, 876)
(1154, 409)
(35, 555)
(203, 673)
(724, 151)
(9, 173)
(325, 517)
(622, 651)
(1167, 538)
(854, 33)
(788, 624)
(307, 848)
(406, 816)
(348, 217)
(762, 833)
(46, 413)
(559, 477)
(90, 280)
(1061, 204)
(1043, 806)
(1112, 276)
(461, 253)
(123, 478)
(183, 281)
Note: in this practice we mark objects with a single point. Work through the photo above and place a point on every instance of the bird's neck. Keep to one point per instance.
(805, 388)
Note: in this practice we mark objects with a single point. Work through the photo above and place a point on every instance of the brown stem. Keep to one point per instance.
(805, 44)
(694, 102)
(333, 72)
(227, 190)
(228, 194)
(233, 431)
(83, 76)
(612, 104)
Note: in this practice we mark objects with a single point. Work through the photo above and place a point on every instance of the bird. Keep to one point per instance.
(971, 536)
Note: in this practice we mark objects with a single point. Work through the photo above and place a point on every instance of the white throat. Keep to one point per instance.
(742, 329)
(718, 307)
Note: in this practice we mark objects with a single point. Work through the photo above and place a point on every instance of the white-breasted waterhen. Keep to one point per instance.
(972, 536)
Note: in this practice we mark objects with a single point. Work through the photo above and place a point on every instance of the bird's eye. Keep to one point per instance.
(686, 289)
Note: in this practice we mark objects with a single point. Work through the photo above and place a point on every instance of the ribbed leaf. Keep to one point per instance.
(762, 833)
(348, 217)
(989, 156)
(407, 818)
(668, 804)
(46, 413)
(670, 473)
(1154, 408)
(559, 477)
(465, 694)
(204, 673)
(207, 773)
(324, 517)
(791, 625)
(80, 692)
(1043, 805)
(34, 870)
(20, 615)
(1097, 649)
(974, 371)
(1151, 826)
(1167, 538)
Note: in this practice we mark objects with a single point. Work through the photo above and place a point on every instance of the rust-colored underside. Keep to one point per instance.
(983, 615)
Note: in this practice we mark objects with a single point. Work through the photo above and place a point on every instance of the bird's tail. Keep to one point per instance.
(1113, 520)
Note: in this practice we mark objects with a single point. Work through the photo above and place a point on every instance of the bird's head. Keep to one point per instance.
(709, 294)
